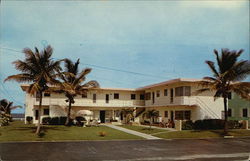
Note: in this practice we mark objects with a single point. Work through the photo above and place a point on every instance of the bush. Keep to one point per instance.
(79, 120)
(208, 124)
(54, 121)
(29, 119)
(187, 125)
(234, 124)
(62, 120)
(46, 120)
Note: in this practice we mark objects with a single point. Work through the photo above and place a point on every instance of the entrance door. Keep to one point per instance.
(171, 95)
(153, 96)
(102, 116)
(172, 115)
(36, 114)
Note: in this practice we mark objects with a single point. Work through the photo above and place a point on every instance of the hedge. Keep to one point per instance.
(209, 124)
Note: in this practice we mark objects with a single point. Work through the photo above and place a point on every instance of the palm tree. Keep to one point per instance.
(72, 83)
(7, 106)
(151, 114)
(128, 114)
(226, 78)
(39, 69)
(5, 110)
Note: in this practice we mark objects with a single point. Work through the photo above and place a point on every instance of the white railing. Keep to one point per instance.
(89, 102)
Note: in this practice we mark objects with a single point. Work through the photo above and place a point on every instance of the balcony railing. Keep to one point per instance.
(89, 102)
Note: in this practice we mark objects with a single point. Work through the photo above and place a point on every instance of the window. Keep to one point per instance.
(165, 92)
(182, 115)
(107, 98)
(187, 115)
(94, 98)
(46, 94)
(84, 95)
(133, 96)
(183, 91)
(166, 113)
(229, 112)
(46, 111)
(244, 112)
(187, 91)
(116, 95)
(148, 96)
(142, 97)
(36, 114)
(157, 93)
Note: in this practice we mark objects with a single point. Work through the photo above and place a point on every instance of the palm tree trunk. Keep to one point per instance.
(150, 123)
(68, 114)
(225, 115)
(38, 129)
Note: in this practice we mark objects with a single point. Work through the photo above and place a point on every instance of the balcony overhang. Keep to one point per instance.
(168, 106)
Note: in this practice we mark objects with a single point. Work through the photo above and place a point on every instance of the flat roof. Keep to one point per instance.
(24, 86)
(169, 82)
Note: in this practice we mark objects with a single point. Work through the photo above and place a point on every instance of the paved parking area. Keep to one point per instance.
(133, 150)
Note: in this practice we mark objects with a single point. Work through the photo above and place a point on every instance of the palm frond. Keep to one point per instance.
(213, 69)
(82, 75)
(20, 78)
(242, 89)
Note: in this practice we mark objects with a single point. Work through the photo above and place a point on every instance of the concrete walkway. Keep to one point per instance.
(167, 129)
(146, 136)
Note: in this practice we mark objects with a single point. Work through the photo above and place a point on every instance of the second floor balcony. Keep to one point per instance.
(90, 102)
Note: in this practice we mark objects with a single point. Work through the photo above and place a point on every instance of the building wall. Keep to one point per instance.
(202, 106)
(237, 104)
(206, 108)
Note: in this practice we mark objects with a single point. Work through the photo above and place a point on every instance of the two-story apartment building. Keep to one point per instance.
(174, 99)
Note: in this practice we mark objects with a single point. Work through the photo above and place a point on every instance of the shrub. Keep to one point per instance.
(62, 120)
(54, 121)
(79, 120)
(29, 119)
(187, 125)
(102, 133)
(234, 124)
(209, 124)
(46, 120)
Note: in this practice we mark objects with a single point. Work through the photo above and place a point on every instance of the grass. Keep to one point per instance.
(202, 134)
(142, 129)
(18, 131)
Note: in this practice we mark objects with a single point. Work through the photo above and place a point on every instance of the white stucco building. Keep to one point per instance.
(174, 99)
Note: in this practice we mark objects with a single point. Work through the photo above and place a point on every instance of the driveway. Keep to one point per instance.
(134, 150)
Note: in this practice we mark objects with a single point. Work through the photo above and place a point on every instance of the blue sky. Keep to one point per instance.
(163, 39)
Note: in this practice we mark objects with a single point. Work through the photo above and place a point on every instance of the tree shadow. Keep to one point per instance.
(33, 129)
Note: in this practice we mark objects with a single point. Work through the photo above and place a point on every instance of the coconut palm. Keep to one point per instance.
(226, 77)
(128, 114)
(72, 83)
(7, 106)
(39, 69)
(151, 114)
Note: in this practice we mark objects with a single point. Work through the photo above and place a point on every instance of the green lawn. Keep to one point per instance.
(18, 131)
(202, 134)
(142, 129)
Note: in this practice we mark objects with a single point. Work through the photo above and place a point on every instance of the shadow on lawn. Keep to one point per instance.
(33, 129)
(148, 129)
